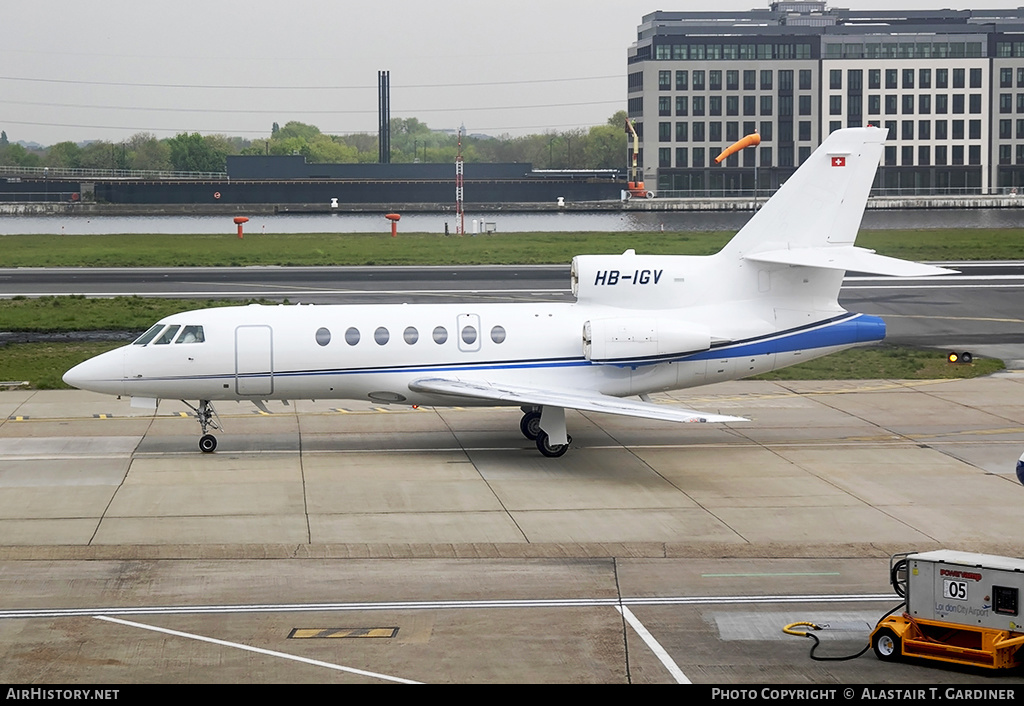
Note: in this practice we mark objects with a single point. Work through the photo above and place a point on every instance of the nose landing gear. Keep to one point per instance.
(207, 417)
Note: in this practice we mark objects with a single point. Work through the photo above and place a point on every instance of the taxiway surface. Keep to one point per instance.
(364, 544)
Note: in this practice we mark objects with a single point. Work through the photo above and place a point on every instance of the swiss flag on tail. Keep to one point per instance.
(839, 161)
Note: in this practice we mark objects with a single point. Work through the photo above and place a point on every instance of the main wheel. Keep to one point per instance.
(530, 425)
(207, 443)
(551, 450)
(886, 645)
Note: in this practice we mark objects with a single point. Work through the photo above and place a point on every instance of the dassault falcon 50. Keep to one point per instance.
(639, 324)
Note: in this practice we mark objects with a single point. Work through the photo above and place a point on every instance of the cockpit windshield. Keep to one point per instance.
(148, 335)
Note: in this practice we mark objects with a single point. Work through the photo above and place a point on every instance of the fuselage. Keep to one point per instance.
(375, 351)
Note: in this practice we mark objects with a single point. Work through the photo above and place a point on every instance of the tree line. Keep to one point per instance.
(597, 147)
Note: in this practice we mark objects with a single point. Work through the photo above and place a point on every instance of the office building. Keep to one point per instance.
(947, 84)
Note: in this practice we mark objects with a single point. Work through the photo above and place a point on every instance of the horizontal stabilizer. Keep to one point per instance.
(571, 399)
(849, 258)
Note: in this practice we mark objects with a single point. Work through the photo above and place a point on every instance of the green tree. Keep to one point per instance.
(64, 154)
(193, 153)
(146, 152)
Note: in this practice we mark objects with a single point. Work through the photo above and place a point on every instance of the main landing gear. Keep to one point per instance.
(207, 417)
(529, 425)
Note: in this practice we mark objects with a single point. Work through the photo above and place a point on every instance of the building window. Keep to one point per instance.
(907, 156)
(974, 154)
(714, 105)
(1005, 154)
(908, 78)
(957, 154)
(835, 79)
(664, 80)
(698, 132)
(958, 129)
(732, 105)
(924, 129)
(766, 80)
(1006, 77)
(940, 155)
(805, 79)
(698, 157)
(974, 129)
(682, 105)
(924, 104)
(664, 132)
(749, 80)
(907, 132)
(942, 104)
(698, 80)
(908, 105)
(698, 105)
(715, 80)
(804, 128)
(766, 156)
(1005, 129)
(805, 105)
(891, 104)
(942, 78)
(835, 105)
(941, 130)
(682, 79)
(682, 157)
(766, 130)
(682, 132)
(750, 105)
(924, 78)
(732, 80)
(714, 132)
(664, 105)
(891, 76)
(924, 156)
(766, 105)
(975, 103)
(958, 103)
(958, 78)
(975, 78)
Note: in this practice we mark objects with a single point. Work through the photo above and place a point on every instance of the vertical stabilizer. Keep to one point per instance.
(823, 202)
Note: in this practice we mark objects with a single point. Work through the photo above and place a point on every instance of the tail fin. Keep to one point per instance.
(813, 219)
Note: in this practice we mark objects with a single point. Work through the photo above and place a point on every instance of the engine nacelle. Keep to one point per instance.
(641, 340)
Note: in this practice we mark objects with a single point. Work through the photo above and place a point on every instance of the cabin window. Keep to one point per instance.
(323, 336)
(148, 335)
(469, 335)
(381, 336)
(352, 336)
(167, 336)
(440, 335)
(498, 334)
(411, 335)
(191, 334)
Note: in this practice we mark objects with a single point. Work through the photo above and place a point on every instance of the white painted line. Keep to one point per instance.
(224, 643)
(655, 646)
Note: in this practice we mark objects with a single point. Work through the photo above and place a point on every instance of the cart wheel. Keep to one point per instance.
(886, 645)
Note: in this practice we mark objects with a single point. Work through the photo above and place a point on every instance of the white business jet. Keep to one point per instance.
(640, 324)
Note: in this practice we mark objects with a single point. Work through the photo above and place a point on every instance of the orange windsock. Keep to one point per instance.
(751, 140)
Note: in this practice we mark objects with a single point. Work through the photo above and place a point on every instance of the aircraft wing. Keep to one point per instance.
(571, 399)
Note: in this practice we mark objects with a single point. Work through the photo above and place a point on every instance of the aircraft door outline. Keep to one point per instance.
(467, 331)
(254, 360)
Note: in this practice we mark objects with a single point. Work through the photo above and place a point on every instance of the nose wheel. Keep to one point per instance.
(207, 417)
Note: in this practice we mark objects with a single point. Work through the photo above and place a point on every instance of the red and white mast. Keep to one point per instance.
(460, 216)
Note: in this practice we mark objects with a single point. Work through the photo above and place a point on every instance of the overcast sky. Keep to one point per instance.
(73, 70)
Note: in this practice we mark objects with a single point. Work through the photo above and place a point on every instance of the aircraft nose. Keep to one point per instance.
(103, 373)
